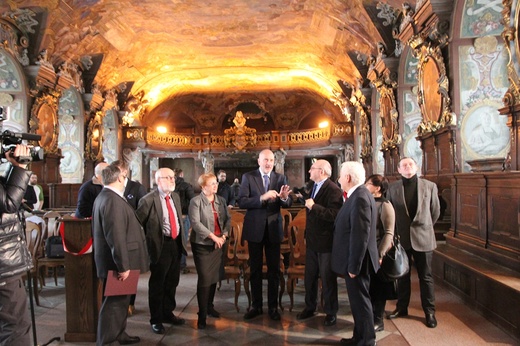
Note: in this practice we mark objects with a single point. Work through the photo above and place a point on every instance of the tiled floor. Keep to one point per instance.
(458, 324)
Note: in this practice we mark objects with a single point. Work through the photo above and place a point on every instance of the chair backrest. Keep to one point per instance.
(33, 234)
(234, 238)
(286, 219)
(297, 241)
(237, 216)
(301, 214)
(51, 220)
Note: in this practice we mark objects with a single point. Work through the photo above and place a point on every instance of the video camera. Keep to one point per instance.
(9, 140)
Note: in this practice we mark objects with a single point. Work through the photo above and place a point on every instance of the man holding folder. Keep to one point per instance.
(119, 246)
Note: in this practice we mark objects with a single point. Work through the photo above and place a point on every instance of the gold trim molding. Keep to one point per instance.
(435, 103)
(44, 121)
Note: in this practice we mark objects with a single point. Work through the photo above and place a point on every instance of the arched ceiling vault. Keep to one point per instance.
(265, 49)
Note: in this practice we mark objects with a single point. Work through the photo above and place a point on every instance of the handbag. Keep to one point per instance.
(395, 262)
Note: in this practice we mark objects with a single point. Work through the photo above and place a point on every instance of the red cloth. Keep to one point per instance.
(173, 223)
(345, 197)
(217, 231)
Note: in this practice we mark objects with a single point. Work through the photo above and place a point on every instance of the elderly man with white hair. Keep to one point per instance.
(354, 250)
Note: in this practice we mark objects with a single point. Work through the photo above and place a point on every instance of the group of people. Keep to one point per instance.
(350, 226)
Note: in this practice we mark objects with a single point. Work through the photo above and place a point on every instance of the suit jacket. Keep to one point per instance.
(119, 242)
(150, 214)
(134, 191)
(319, 229)
(202, 220)
(260, 213)
(355, 235)
(417, 233)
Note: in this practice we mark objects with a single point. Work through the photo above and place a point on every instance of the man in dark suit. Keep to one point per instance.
(88, 192)
(161, 216)
(417, 208)
(224, 189)
(134, 191)
(323, 206)
(354, 250)
(262, 193)
(119, 245)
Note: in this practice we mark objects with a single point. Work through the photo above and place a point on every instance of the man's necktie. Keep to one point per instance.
(313, 193)
(173, 224)
(266, 182)
(345, 197)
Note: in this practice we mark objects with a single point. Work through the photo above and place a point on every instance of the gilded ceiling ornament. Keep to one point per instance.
(240, 136)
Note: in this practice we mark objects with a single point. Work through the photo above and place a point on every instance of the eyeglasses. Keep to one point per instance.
(170, 177)
(316, 168)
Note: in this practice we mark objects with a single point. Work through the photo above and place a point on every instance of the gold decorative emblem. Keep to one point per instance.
(240, 136)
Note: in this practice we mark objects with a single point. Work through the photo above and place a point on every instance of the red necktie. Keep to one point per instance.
(173, 224)
(345, 197)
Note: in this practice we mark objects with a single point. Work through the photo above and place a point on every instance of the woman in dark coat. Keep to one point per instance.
(377, 185)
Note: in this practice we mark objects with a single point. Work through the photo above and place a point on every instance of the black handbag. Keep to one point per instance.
(395, 263)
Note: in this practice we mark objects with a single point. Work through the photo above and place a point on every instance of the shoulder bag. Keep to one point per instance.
(395, 262)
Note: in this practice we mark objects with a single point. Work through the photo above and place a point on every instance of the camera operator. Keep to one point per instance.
(15, 258)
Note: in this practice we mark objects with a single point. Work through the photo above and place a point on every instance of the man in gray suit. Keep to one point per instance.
(119, 245)
(417, 208)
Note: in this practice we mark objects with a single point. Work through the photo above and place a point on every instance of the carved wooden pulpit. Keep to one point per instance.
(83, 289)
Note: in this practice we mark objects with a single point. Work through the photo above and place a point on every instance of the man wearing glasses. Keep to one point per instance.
(323, 205)
(161, 216)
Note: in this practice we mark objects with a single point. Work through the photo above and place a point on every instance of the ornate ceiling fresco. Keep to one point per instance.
(194, 60)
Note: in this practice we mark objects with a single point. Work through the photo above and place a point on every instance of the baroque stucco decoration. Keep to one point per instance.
(433, 95)
(44, 122)
(94, 146)
(240, 136)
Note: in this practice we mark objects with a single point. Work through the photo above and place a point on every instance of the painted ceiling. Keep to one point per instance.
(196, 61)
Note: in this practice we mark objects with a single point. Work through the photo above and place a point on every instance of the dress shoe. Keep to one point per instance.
(131, 310)
(129, 340)
(253, 313)
(176, 321)
(158, 328)
(274, 315)
(330, 320)
(397, 313)
(304, 315)
(213, 313)
(379, 327)
(201, 323)
(431, 321)
(349, 341)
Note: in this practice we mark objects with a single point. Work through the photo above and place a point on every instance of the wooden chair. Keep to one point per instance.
(45, 263)
(296, 268)
(285, 248)
(232, 265)
(33, 234)
(237, 216)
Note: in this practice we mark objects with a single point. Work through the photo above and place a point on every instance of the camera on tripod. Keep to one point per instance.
(9, 140)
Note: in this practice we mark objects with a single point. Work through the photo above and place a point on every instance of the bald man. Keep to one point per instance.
(89, 191)
(262, 193)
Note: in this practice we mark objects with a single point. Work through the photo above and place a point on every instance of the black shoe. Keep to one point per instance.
(379, 327)
(431, 321)
(349, 341)
(201, 323)
(176, 321)
(304, 315)
(158, 328)
(129, 340)
(397, 313)
(274, 315)
(253, 313)
(213, 313)
(330, 320)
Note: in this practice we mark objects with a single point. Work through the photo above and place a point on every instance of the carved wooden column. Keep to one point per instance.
(383, 75)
